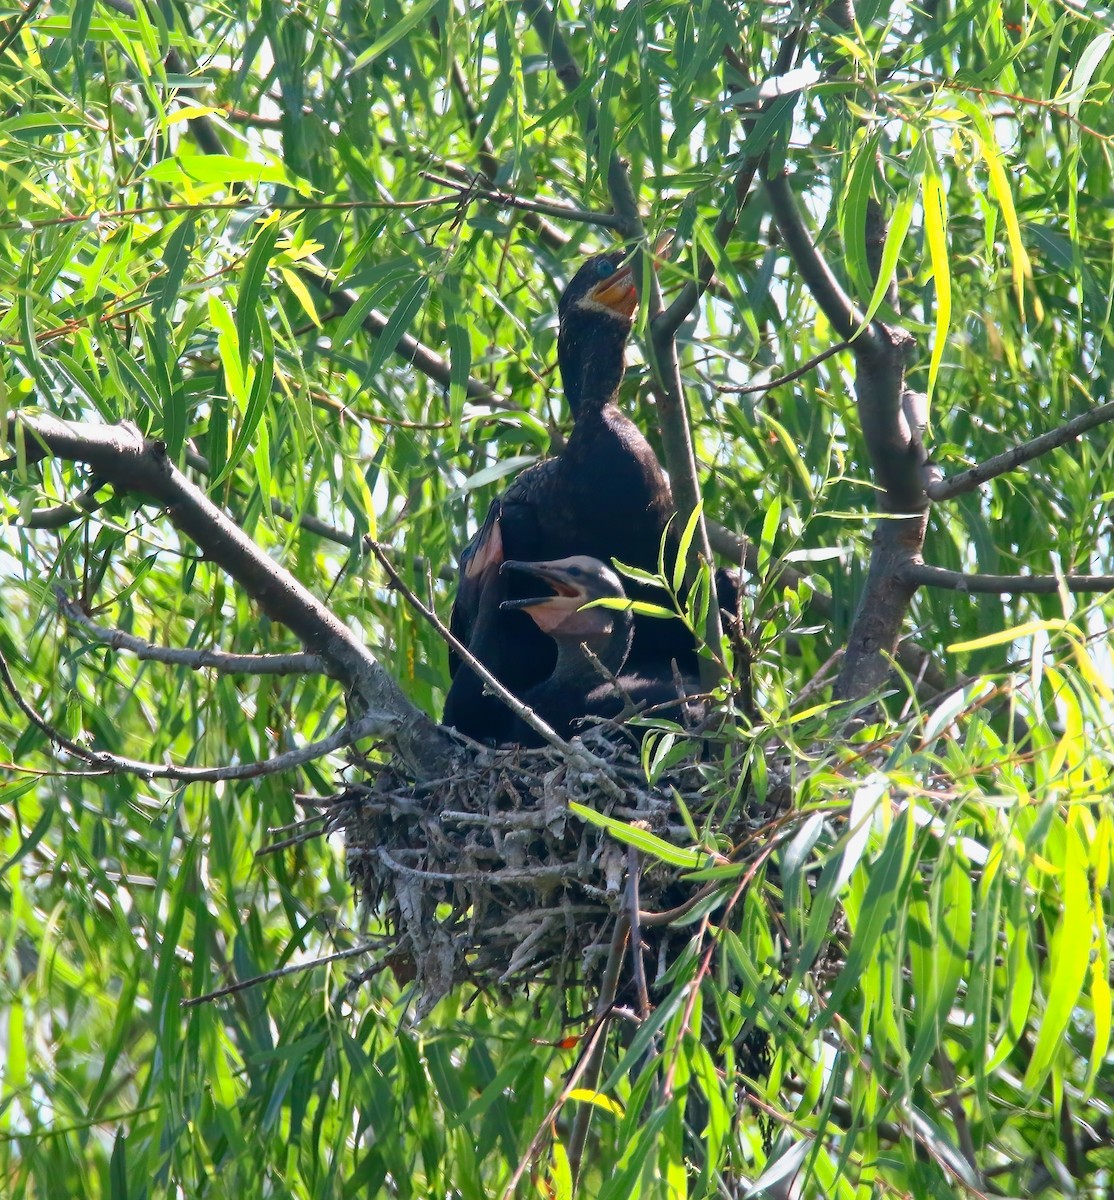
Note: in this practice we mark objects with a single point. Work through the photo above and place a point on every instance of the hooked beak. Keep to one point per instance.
(617, 292)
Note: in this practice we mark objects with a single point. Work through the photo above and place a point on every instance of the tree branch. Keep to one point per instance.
(669, 321)
(535, 220)
(683, 304)
(892, 418)
(317, 275)
(834, 302)
(196, 660)
(369, 725)
(120, 455)
(568, 71)
(202, 127)
(1009, 460)
(922, 575)
(680, 457)
(750, 388)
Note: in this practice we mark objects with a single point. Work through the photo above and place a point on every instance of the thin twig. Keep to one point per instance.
(475, 190)
(789, 377)
(1009, 460)
(672, 318)
(706, 961)
(282, 972)
(370, 725)
(516, 706)
(197, 660)
(61, 515)
(636, 947)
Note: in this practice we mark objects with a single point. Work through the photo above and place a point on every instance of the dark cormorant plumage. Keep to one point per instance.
(579, 687)
(605, 496)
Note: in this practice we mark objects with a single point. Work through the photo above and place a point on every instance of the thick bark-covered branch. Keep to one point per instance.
(892, 419)
(826, 290)
(121, 455)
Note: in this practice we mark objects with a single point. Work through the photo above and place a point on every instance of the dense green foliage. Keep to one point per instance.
(163, 217)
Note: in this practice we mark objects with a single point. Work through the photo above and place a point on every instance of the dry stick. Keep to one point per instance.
(281, 972)
(370, 725)
(922, 575)
(516, 706)
(197, 660)
(967, 481)
(593, 1039)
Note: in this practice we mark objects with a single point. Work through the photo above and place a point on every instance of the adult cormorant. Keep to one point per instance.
(605, 496)
(579, 687)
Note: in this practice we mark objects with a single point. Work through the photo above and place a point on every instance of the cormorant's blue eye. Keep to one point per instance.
(604, 268)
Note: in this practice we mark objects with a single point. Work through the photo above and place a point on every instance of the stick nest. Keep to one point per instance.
(487, 877)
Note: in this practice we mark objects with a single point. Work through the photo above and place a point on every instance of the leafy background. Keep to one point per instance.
(188, 194)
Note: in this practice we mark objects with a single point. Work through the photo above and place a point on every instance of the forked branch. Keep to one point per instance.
(120, 455)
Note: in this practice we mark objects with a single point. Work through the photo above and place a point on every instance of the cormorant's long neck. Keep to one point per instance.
(575, 668)
(591, 362)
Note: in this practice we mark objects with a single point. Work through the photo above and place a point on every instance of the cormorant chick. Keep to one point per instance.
(583, 684)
